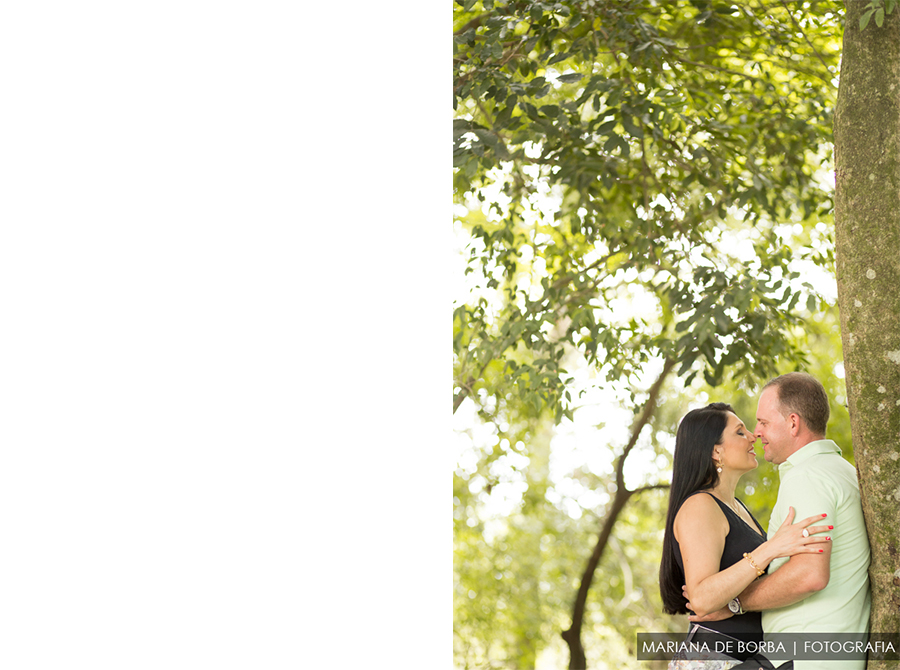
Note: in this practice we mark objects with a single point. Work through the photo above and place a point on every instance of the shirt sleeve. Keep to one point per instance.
(809, 495)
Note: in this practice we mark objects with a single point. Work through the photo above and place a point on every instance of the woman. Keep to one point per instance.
(712, 543)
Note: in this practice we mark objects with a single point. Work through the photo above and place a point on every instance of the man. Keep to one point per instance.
(815, 593)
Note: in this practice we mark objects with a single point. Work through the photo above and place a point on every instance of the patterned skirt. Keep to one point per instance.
(701, 660)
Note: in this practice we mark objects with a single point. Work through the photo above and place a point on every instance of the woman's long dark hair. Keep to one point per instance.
(693, 470)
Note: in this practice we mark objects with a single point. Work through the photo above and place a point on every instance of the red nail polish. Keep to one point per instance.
(824, 515)
(830, 527)
(821, 550)
(827, 538)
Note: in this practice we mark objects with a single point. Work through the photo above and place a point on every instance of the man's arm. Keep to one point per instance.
(800, 577)
(803, 574)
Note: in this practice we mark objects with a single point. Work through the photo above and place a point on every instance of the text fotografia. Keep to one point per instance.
(784, 646)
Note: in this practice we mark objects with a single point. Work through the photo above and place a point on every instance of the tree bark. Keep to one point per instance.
(867, 246)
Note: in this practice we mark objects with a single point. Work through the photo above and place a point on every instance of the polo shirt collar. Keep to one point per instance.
(807, 451)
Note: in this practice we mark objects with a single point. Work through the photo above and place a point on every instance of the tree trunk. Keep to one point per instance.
(572, 636)
(867, 236)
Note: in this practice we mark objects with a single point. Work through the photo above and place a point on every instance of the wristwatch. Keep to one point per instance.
(735, 606)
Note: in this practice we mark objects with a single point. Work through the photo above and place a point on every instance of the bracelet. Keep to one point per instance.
(753, 563)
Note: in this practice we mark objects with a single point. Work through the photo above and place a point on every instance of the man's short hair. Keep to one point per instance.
(802, 394)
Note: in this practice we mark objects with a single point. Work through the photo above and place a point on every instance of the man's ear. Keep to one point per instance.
(795, 424)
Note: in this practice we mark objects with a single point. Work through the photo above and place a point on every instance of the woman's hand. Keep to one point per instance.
(798, 538)
(718, 615)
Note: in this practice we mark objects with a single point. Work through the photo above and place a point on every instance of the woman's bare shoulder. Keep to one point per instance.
(700, 507)
(700, 516)
(699, 501)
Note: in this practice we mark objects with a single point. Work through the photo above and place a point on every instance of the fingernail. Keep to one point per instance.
(821, 550)
(830, 527)
(827, 538)
(824, 515)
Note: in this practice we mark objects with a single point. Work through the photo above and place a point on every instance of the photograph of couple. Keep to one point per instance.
(676, 334)
(717, 562)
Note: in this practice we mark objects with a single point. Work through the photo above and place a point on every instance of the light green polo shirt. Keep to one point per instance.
(817, 480)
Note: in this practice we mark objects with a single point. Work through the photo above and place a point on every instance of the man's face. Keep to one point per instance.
(773, 429)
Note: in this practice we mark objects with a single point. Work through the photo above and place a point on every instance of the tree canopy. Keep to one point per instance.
(614, 150)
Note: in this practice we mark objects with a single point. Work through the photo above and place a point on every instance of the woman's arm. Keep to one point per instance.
(800, 577)
(700, 528)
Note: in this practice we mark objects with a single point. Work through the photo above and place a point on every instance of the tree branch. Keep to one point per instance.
(572, 635)
(642, 420)
(565, 279)
(474, 23)
(811, 46)
(707, 66)
(490, 62)
(466, 388)
(651, 487)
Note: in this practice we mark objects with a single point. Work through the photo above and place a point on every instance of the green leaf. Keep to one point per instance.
(461, 126)
(611, 143)
(529, 109)
(466, 37)
(864, 19)
(504, 116)
(606, 127)
(630, 127)
(570, 78)
(879, 17)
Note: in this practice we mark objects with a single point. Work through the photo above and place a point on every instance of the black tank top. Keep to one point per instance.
(741, 538)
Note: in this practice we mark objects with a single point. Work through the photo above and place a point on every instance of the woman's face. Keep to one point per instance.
(735, 450)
